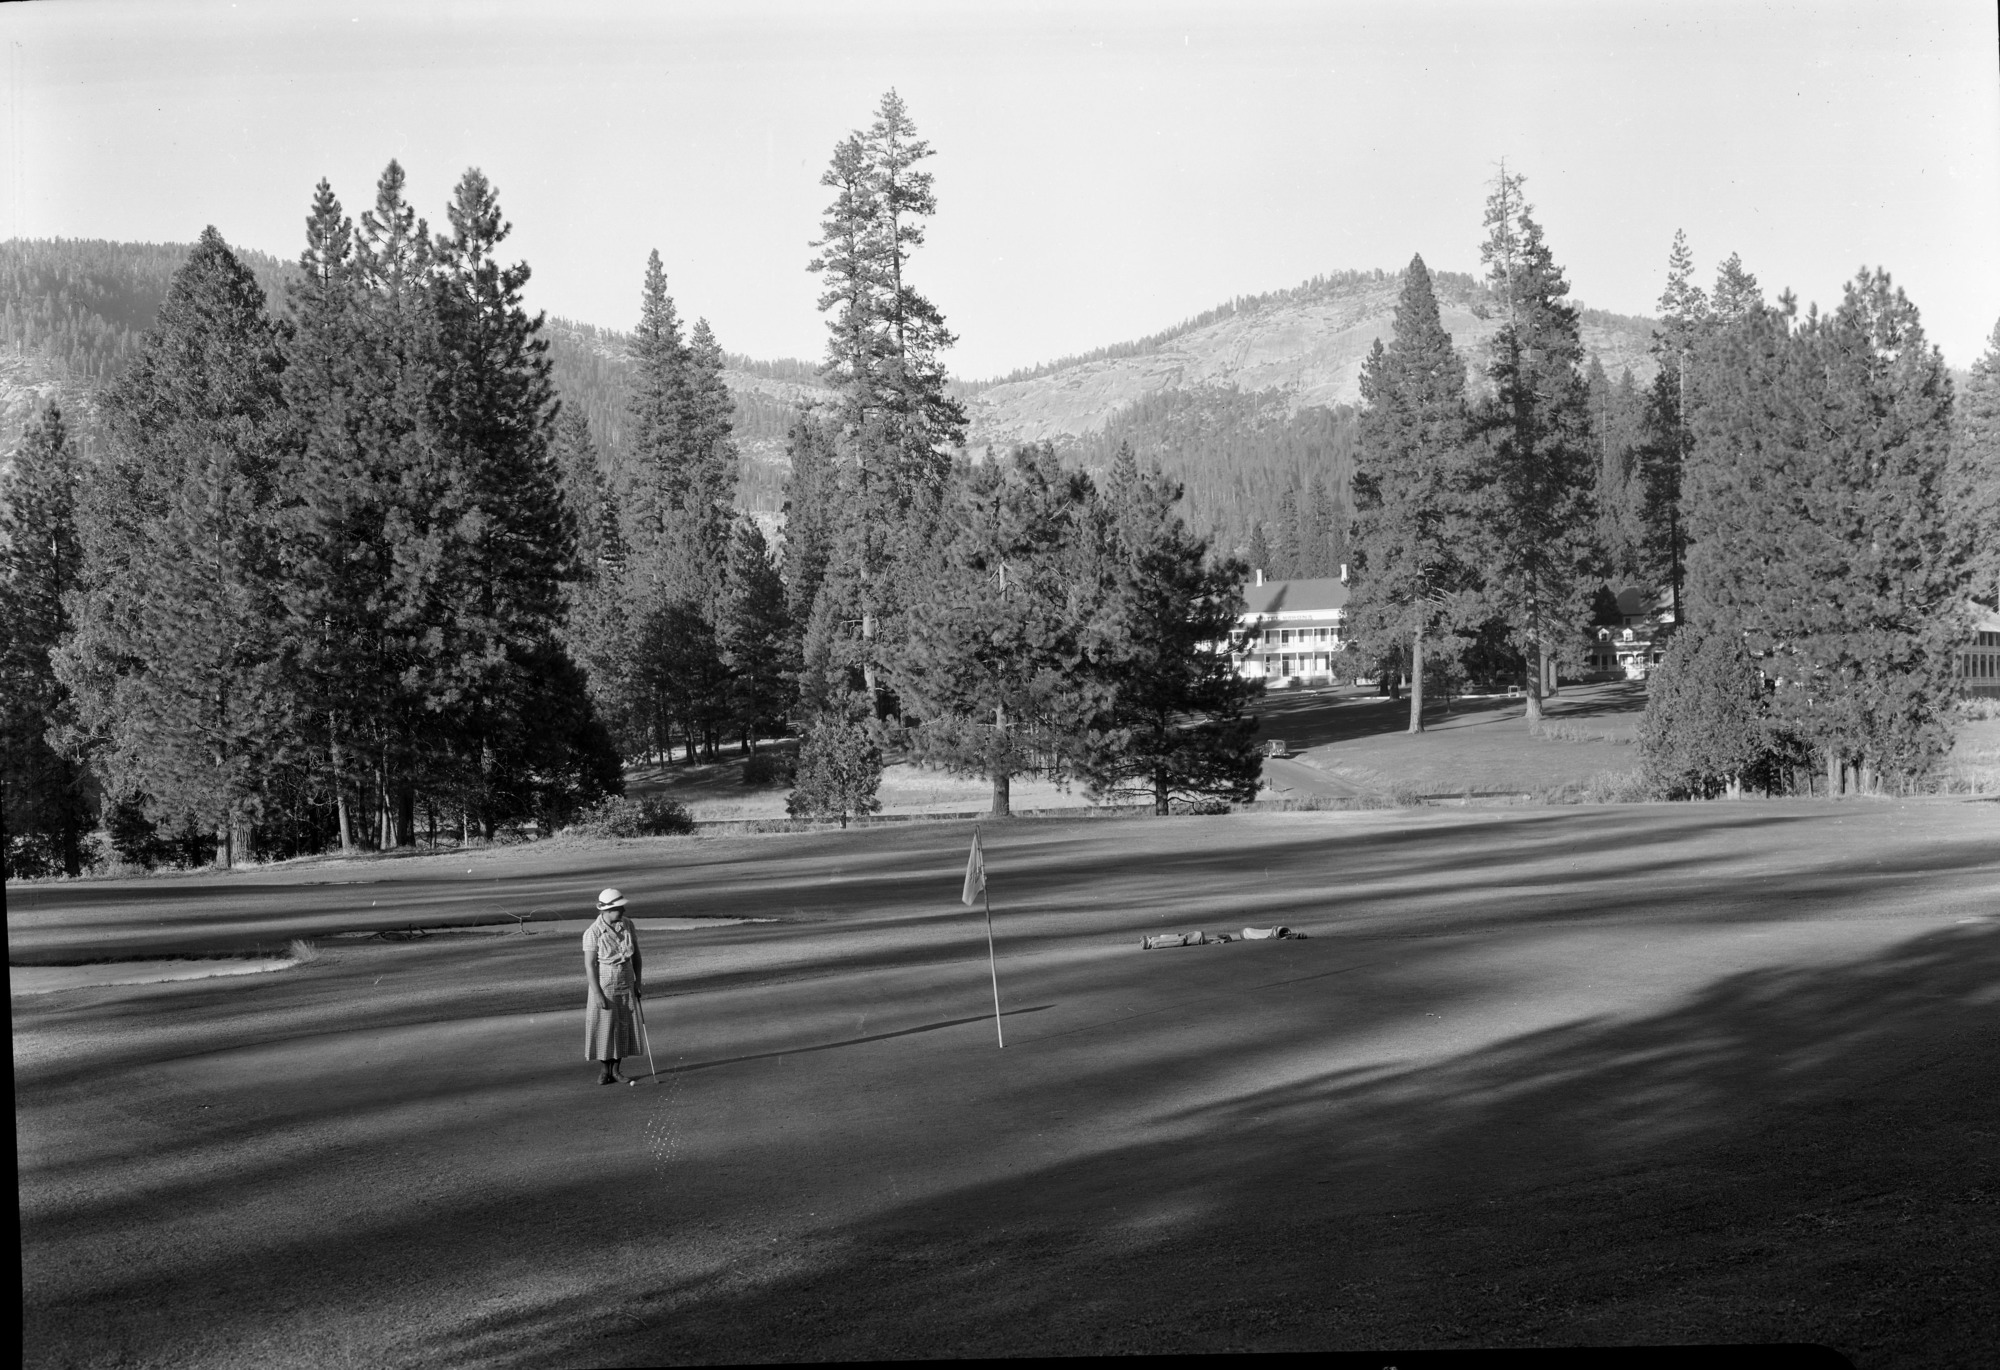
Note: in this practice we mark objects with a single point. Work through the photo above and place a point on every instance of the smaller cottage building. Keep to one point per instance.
(1979, 660)
(1634, 646)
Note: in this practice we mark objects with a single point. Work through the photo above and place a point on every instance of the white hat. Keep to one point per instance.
(610, 899)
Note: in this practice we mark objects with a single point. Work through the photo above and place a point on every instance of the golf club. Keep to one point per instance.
(645, 1036)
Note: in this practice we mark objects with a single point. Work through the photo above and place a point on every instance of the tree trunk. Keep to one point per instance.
(1835, 769)
(1417, 681)
(339, 785)
(406, 817)
(1162, 798)
(1002, 785)
(72, 835)
(225, 845)
(1535, 686)
(868, 652)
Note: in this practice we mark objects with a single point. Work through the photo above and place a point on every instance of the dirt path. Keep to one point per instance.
(1692, 1073)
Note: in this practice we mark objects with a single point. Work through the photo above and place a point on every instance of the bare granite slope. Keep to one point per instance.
(1310, 349)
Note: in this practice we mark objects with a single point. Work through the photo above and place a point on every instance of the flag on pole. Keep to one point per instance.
(975, 875)
(975, 891)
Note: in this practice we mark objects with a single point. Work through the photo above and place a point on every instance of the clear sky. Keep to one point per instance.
(1103, 169)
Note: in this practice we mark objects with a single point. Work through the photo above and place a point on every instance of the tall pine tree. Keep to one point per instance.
(46, 798)
(755, 638)
(1816, 503)
(1974, 502)
(1543, 561)
(1684, 327)
(1177, 723)
(998, 665)
(177, 661)
(510, 541)
(895, 422)
(1415, 528)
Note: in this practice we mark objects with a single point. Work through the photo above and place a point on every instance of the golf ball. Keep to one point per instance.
(631, 1084)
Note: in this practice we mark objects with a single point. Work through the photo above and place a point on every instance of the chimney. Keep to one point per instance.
(1260, 575)
(1343, 573)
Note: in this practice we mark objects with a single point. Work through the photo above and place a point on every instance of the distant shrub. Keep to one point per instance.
(617, 816)
(1705, 729)
(1204, 807)
(1978, 708)
(1403, 794)
(839, 770)
(1606, 787)
(1558, 730)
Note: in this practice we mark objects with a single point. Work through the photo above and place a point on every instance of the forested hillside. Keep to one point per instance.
(1267, 479)
(73, 312)
(1245, 404)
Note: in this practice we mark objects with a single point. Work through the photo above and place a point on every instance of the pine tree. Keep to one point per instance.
(1974, 501)
(1705, 730)
(1736, 293)
(1175, 725)
(510, 541)
(755, 638)
(895, 422)
(1259, 551)
(839, 770)
(654, 479)
(583, 490)
(997, 668)
(1816, 503)
(1287, 554)
(1543, 561)
(710, 451)
(1414, 523)
(1685, 322)
(334, 549)
(46, 798)
(176, 662)
(811, 512)
(1615, 418)
(927, 422)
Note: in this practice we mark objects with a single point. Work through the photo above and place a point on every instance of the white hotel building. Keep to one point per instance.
(1294, 628)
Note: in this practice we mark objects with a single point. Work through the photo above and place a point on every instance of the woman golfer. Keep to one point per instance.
(612, 969)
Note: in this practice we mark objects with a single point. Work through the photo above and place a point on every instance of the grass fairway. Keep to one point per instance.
(1718, 1072)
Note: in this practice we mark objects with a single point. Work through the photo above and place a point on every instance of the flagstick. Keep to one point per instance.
(990, 965)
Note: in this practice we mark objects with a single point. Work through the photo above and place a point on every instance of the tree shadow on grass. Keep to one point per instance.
(1791, 1155)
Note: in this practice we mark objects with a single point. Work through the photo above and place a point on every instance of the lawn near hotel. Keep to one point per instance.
(1659, 1073)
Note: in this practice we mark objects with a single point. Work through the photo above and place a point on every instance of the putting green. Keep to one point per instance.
(1650, 1073)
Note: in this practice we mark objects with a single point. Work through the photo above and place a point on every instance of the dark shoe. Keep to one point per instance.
(617, 1075)
(604, 1075)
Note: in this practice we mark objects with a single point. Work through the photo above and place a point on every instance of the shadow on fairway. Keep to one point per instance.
(1314, 720)
(849, 1042)
(1793, 1155)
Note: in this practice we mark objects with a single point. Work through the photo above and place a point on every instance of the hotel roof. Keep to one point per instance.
(1321, 595)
